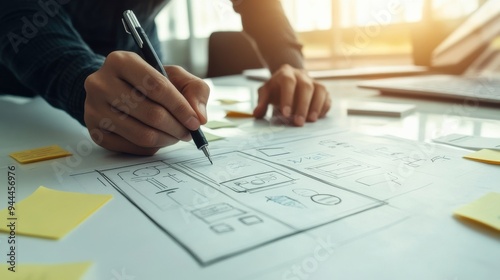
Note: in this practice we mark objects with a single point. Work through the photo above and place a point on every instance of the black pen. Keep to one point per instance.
(133, 27)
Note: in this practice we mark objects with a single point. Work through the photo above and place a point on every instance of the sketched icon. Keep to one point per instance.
(322, 199)
(286, 201)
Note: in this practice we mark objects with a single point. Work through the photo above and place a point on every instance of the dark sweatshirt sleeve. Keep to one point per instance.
(266, 23)
(41, 48)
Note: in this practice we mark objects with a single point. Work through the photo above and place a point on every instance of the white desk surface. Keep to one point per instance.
(427, 243)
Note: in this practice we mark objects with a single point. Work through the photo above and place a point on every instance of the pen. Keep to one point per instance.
(133, 27)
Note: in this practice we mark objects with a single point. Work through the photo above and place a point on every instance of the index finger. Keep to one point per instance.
(131, 68)
(286, 81)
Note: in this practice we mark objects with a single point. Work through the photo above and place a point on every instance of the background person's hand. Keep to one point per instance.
(137, 110)
(296, 95)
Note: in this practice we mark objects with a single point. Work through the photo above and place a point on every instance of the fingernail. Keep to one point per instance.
(313, 116)
(299, 120)
(203, 109)
(192, 123)
(286, 111)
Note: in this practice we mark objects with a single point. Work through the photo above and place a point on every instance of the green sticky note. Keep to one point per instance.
(486, 156)
(485, 210)
(69, 271)
(219, 124)
(50, 213)
(212, 137)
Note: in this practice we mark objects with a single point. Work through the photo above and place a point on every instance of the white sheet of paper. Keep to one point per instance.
(380, 109)
(469, 142)
(267, 195)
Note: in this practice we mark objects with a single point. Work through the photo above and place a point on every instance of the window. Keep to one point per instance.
(328, 28)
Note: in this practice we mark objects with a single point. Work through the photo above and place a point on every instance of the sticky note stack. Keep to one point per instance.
(220, 124)
(485, 210)
(486, 156)
(40, 154)
(71, 271)
(52, 214)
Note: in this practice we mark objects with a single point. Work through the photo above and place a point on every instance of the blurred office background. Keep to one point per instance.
(335, 33)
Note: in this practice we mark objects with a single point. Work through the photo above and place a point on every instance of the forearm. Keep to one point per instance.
(42, 50)
(265, 22)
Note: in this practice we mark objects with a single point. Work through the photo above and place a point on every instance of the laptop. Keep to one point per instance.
(478, 38)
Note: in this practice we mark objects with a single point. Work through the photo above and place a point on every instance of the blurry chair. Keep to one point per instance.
(229, 53)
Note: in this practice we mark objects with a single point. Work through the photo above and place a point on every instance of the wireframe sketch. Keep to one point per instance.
(323, 199)
(285, 201)
(333, 144)
(252, 198)
(307, 158)
(257, 182)
(408, 157)
(342, 168)
(274, 151)
(216, 212)
(440, 158)
(384, 178)
(238, 204)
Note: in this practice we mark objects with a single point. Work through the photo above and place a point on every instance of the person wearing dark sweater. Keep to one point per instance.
(76, 56)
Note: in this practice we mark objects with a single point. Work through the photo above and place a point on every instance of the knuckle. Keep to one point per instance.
(92, 83)
(116, 58)
(176, 68)
(308, 85)
(286, 78)
(285, 67)
(199, 87)
(320, 87)
(155, 116)
(155, 87)
(181, 109)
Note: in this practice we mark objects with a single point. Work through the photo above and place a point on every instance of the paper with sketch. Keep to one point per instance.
(470, 142)
(277, 188)
(239, 203)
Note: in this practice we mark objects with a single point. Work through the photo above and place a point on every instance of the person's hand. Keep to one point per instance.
(296, 95)
(130, 107)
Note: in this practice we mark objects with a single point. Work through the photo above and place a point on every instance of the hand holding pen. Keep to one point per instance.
(131, 107)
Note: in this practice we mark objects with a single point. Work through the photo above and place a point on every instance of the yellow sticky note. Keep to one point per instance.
(228, 101)
(485, 210)
(486, 156)
(69, 271)
(219, 124)
(212, 137)
(39, 154)
(50, 213)
(238, 114)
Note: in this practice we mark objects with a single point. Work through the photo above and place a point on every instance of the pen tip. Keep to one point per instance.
(207, 154)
